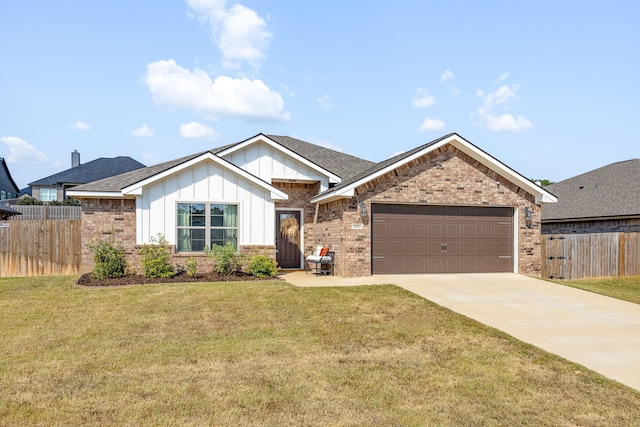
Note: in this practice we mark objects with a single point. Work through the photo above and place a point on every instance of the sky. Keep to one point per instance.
(546, 87)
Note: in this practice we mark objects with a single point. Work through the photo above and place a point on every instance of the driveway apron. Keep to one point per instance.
(598, 332)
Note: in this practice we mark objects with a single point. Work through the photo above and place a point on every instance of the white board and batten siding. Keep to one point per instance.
(206, 182)
(271, 165)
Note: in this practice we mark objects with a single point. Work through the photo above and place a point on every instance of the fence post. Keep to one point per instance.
(622, 255)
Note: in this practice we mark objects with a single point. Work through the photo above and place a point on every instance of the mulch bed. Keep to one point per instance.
(181, 277)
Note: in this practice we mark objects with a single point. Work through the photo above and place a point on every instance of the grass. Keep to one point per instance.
(269, 354)
(625, 288)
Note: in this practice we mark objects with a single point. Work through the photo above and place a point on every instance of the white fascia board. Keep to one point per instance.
(541, 195)
(136, 189)
(99, 194)
(334, 179)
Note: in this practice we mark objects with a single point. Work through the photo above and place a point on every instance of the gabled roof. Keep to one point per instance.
(607, 192)
(347, 188)
(6, 179)
(92, 171)
(340, 164)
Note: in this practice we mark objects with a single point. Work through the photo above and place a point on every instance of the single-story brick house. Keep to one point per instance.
(446, 206)
(603, 200)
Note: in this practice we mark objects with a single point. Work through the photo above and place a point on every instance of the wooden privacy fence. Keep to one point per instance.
(40, 248)
(576, 256)
(40, 212)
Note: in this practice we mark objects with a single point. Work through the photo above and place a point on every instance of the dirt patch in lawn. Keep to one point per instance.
(180, 277)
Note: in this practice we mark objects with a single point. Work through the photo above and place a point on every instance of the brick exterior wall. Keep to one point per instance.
(102, 218)
(446, 176)
(630, 225)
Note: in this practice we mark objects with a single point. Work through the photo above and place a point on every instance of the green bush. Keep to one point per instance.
(28, 200)
(109, 260)
(262, 266)
(191, 265)
(226, 260)
(156, 259)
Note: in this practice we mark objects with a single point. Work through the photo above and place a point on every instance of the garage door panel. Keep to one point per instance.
(441, 239)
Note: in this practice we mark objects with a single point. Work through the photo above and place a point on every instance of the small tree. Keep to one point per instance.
(156, 259)
(226, 260)
(109, 260)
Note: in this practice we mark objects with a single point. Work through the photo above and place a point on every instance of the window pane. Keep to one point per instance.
(224, 215)
(222, 236)
(191, 214)
(191, 239)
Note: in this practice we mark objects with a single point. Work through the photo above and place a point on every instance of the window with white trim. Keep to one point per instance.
(48, 194)
(206, 224)
(3, 195)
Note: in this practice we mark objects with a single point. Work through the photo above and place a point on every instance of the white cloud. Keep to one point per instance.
(80, 126)
(178, 88)
(195, 130)
(143, 131)
(446, 76)
(238, 31)
(325, 102)
(423, 99)
(20, 151)
(150, 159)
(502, 121)
(432, 124)
(503, 77)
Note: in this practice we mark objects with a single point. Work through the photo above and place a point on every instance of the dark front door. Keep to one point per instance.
(288, 237)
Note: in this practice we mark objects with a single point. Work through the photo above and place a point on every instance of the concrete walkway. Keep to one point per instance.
(598, 332)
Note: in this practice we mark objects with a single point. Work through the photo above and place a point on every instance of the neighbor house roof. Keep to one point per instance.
(5, 179)
(607, 192)
(347, 187)
(6, 211)
(342, 165)
(91, 171)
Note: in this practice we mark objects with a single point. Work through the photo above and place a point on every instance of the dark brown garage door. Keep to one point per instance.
(441, 239)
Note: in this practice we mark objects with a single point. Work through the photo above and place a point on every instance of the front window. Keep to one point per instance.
(206, 224)
(48, 194)
(3, 195)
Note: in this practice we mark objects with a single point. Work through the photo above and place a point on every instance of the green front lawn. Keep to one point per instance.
(269, 354)
(624, 288)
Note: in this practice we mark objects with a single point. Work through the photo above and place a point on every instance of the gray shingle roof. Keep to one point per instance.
(6, 181)
(343, 165)
(609, 191)
(92, 171)
(375, 167)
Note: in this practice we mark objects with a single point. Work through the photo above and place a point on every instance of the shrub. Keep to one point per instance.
(262, 266)
(226, 260)
(156, 259)
(191, 265)
(109, 260)
(28, 200)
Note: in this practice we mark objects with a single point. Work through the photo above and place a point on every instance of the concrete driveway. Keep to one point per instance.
(600, 333)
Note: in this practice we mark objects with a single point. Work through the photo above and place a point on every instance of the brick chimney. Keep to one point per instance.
(75, 159)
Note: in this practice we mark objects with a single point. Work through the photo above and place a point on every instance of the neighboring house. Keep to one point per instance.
(445, 206)
(6, 212)
(54, 187)
(606, 199)
(8, 187)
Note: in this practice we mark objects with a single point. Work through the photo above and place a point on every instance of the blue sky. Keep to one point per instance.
(546, 87)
